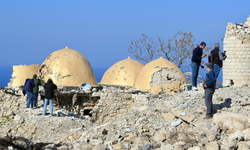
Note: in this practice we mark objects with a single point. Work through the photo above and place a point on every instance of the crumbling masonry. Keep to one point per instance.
(236, 68)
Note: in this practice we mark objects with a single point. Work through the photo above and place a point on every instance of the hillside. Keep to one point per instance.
(161, 122)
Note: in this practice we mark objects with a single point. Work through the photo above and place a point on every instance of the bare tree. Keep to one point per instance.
(178, 49)
(145, 49)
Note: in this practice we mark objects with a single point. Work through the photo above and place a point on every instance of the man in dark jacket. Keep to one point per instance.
(49, 88)
(196, 62)
(209, 86)
(35, 90)
(28, 88)
(217, 59)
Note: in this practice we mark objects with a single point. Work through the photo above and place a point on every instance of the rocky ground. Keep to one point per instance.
(167, 122)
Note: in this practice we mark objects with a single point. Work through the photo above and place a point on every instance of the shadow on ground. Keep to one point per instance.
(226, 104)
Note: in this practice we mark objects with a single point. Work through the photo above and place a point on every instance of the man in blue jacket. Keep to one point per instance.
(196, 62)
(209, 86)
(28, 88)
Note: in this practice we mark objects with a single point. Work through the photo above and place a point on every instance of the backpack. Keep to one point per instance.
(210, 58)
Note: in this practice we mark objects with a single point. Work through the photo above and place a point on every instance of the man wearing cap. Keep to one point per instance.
(196, 62)
(209, 86)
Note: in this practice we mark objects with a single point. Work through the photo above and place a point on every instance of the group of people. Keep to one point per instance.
(213, 67)
(31, 87)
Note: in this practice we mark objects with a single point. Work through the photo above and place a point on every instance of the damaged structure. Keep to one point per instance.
(156, 76)
(21, 73)
(78, 91)
(236, 68)
(67, 67)
(159, 75)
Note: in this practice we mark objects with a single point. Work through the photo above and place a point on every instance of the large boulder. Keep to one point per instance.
(231, 122)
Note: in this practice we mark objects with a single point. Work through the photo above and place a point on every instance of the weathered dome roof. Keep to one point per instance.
(122, 73)
(67, 67)
(159, 72)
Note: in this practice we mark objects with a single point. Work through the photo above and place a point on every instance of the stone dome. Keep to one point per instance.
(122, 73)
(159, 72)
(67, 67)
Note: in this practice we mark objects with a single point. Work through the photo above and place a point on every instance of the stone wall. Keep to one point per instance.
(113, 99)
(21, 73)
(118, 100)
(236, 68)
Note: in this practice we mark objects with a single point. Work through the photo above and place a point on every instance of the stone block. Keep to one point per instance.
(243, 146)
(168, 117)
(158, 137)
(156, 89)
(212, 146)
(99, 147)
(231, 122)
(194, 148)
(238, 135)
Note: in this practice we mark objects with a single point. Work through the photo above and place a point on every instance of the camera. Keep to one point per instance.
(224, 53)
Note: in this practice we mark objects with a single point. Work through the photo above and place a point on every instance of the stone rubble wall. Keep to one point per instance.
(117, 100)
(21, 73)
(112, 100)
(236, 68)
(166, 75)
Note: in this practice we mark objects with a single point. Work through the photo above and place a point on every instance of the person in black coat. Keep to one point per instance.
(196, 63)
(49, 88)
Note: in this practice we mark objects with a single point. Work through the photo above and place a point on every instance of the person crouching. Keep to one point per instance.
(209, 86)
(49, 95)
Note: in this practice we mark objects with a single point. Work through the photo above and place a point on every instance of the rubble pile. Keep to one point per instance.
(125, 118)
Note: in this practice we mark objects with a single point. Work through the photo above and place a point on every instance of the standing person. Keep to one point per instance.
(28, 88)
(196, 63)
(49, 95)
(35, 90)
(208, 85)
(216, 57)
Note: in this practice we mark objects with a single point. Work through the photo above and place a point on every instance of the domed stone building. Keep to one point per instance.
(122, 73)
(159, 72)
(67, 67)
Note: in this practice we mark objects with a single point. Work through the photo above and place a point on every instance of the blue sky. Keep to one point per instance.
(102, 30)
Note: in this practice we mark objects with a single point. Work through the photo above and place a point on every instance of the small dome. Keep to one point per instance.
(159, 72)
(122, 73)
(67, 67)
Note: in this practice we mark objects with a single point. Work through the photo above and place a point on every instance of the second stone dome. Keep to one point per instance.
(67, 67)
(122, 73)
(159, 72)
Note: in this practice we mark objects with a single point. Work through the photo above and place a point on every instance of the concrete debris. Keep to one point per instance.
(183, 114)
(176, 123)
